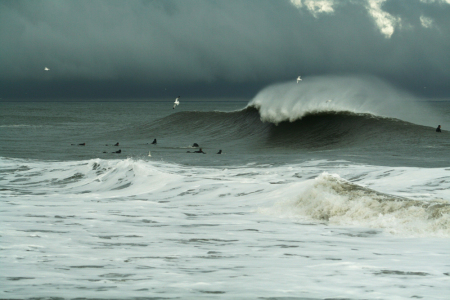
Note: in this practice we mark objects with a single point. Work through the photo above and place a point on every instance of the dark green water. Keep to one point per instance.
(53, 130)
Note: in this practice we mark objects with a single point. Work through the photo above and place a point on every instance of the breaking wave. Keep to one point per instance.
(333, 200)
(359, 95)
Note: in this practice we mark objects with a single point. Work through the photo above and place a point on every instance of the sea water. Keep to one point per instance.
(309, 199)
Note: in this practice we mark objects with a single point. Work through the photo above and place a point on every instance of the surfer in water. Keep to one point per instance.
(438, 129)
(154, 142)
(198, 151)
(116, 144)
(220, 152)
(118, 151)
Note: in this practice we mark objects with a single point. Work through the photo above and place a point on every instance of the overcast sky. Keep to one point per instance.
(158, 48)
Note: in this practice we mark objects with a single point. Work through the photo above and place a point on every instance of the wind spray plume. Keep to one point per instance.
(360, 95)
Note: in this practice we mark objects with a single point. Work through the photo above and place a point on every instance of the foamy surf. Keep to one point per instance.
(332, 200)
(124, 228)
(327, 198)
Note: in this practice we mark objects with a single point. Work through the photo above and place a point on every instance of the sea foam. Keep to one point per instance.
(365, 198)
(332, 200)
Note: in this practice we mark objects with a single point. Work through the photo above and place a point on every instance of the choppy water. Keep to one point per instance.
(318, 202)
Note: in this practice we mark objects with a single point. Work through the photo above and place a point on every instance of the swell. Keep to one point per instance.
(213, 126)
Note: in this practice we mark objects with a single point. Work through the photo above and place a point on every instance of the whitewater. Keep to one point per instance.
(300, 205)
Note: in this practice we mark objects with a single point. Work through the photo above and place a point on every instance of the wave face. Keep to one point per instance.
(310, 130)
(364, 94)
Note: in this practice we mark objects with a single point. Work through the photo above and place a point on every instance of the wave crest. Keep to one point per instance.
(359, 95)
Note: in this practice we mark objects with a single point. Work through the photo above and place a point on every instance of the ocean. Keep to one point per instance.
(335, 188)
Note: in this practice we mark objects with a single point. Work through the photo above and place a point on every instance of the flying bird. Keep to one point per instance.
(298, 79)
(46, 69)
(176, 102)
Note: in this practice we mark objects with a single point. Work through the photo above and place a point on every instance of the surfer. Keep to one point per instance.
(198, 151)
(195, 145)
(116, 144)
(118, 151)
(82, 144)
(220, 152)
(438, 129)
(154, 142)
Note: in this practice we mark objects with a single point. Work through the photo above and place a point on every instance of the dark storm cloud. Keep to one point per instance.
(220, 43)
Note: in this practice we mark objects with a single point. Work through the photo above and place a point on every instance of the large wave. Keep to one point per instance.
(328, 112)
(357, 94)
(313, 129)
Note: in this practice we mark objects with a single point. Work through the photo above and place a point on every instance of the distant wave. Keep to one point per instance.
(20, 126)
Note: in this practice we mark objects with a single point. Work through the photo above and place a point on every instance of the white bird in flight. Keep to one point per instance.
(46, 69)
(298, 79)
(176, 102)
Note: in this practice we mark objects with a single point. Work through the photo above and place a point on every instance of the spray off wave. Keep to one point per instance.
(359, 95)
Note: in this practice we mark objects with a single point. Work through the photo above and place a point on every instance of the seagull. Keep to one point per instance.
(298, 79)
(176, 102)
(46, 69)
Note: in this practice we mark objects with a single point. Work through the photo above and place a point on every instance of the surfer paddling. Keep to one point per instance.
(198, 151)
